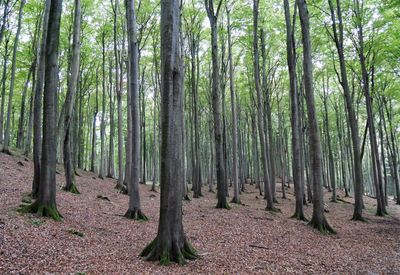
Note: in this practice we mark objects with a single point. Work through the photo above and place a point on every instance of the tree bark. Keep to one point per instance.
(37, 109)
(235, 166)
(296, 146)
(171, 243)
(358, 176)
(260, 113)
(69, 170)
(45, 205)
(216, 104)
(7, 133)
(134, 210)
(318, 217)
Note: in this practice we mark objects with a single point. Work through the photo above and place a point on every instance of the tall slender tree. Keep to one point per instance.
(7, 133)
(338, 37)
(37, 103)
(260, 113)
(216, 104)
(70, 184)
(296, 146)
(134, 210)
(318, 217)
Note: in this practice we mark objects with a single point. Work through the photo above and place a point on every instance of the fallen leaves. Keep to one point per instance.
(243, 240)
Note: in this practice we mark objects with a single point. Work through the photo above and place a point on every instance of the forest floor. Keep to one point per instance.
(243, 240)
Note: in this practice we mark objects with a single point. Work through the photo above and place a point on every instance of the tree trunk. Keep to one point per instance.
(296, 146)
(318, 218)
(7, 133)
(376, 167)
(45, 205)
(37, 109)
(235, 174)
(3, 88)
(69, 170)
(358, 176)
(134, 210)
(216, 104)
(260, 114)
(171, 243)
(103, 110)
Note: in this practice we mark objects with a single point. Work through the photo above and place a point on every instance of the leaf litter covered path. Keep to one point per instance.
(94, 238)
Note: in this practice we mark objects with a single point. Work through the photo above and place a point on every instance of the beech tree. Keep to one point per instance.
(45, 204)
(69, 170)
(318, 219)
(134, 210)
(170, 243)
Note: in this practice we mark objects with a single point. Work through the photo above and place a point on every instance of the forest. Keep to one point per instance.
(199, 137)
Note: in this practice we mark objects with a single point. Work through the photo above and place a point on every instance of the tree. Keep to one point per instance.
(318, 219)
(46, 205)
(358, 176)
(260, 113)
(170, 243)
(12, 81)
(37, 103)
(134, 211)
(69, 170)
(235, 165)
(216, 104)
(296, 145)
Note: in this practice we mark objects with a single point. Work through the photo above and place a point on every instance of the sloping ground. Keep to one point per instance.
(244, 240)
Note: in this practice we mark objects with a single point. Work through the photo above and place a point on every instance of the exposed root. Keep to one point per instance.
(186, 197)
(223, 205)
(121, 188)
(236, 200)
(7, 151)
(135, 214)
(299, 217)
(357, 217)
(322, 227)
(273, 209)
(72, 189)
(177, 253)
(41, 210)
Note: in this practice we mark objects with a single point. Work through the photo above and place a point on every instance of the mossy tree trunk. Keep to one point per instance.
(171, 243)
(45, 205)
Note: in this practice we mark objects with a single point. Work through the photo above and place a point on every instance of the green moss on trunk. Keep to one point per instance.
(72, 189)
(42, 210)
(135, 214)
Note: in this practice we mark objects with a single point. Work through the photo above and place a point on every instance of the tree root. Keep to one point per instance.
(186, 197)
(322, 227)
(42, 210)
(121, 188)
(223, 205)
(273, 209)
(299, 217)
(7, 152)
(72, 189)
(176, 253)
(236, 200)
(135, 214)
(360, 218)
